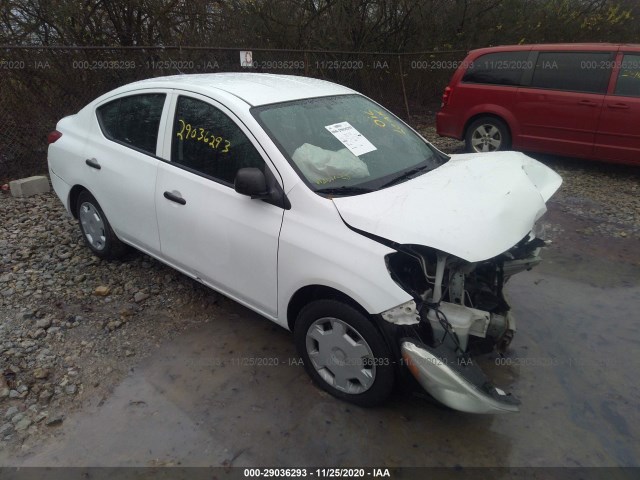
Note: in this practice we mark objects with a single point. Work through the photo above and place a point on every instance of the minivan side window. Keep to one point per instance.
(133, 120)
(501, 68)
(573, 71)
(628, 83)
(208, 142)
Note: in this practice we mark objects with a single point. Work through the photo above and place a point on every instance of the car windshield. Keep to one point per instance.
(346, 144)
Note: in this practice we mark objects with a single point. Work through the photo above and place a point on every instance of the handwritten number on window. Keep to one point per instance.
(186, 132)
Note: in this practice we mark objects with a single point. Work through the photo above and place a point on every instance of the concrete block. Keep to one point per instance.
(26, 187)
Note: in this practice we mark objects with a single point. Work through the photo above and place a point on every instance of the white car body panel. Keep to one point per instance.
(227, 240)
(65, 157)
(322, 250)
(474, 207)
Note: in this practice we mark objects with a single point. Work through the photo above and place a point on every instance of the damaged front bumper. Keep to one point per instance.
(457, 383)
(458, 310)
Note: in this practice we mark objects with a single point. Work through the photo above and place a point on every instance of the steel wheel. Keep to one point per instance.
(487, 134)
(340, 355)
(92, 225)
(95, 228)
(344, 353)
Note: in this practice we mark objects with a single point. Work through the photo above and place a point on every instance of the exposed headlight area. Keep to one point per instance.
(458, 309)
(469, 297)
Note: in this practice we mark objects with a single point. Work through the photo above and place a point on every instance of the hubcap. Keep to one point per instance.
(92, 225)
(486, 138)
(340, 355)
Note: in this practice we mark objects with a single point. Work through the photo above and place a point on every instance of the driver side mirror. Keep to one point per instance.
(252, 182)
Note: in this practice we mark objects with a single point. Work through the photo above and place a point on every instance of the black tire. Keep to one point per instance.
(483, 132)
(105, 244)
(362, 337)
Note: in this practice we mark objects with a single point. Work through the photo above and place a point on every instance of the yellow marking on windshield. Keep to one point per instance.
(324, 181)
(381, 120)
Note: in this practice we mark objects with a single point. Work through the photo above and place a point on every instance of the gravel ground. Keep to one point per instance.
(72, 326)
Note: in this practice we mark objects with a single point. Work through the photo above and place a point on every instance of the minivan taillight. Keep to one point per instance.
(53, 137)
(446, 96)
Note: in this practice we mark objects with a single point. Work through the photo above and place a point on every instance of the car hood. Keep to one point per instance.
(475, 206)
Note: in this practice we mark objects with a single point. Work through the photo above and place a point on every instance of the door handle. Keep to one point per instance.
(588, 103)
(93, 163)
(618, 105)
(174, 198)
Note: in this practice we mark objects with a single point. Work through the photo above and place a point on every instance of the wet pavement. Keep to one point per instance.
(231, 392)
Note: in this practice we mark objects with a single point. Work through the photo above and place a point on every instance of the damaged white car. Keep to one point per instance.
(316, 207)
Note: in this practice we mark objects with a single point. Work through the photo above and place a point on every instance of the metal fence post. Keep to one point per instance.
(404, 90)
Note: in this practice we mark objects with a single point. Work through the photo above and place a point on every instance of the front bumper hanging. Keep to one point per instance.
(457, 383)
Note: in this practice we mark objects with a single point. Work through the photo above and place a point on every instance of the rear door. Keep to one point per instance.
(121, 164)
(560, 106)
(618, 137)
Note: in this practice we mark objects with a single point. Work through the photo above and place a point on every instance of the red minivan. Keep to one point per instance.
(579, 100)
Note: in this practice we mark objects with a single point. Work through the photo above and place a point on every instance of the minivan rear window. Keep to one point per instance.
(501, 68)
(573, 71)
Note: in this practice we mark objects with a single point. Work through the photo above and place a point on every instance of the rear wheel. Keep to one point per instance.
(487, 134)
(96, 229)
(344, 353)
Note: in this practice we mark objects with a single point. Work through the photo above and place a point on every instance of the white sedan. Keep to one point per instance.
(318, 208)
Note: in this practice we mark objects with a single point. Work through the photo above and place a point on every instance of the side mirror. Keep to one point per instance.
(251, 182)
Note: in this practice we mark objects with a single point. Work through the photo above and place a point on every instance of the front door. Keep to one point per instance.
(227, 240)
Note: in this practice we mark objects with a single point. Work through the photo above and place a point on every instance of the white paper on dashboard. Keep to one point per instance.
(351, 138)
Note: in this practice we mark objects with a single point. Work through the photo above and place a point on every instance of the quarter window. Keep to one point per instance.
(628, 83)
(502, 68)
(133, 120)
(573, 71)
(208, 142)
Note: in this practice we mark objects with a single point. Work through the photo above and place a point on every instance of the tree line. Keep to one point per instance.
(38, 86)
(355, 25)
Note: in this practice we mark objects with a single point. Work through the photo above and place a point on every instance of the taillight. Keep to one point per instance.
(446, 96)
(53, 137)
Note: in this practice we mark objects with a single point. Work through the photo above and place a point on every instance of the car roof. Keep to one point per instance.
(254, 88)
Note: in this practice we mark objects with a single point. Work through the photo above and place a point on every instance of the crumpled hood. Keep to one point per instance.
(475, 206)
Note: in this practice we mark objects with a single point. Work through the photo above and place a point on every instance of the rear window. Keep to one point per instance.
(501, 68)
(573, 71)
(133, 120)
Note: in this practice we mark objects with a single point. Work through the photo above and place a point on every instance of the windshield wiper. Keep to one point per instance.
(406, 175)
(344, 190)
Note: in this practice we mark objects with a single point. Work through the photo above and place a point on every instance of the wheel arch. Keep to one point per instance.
(508, 122)
(309, 293)
(75, 192)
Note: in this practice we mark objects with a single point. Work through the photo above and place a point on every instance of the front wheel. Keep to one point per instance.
(344, 353)
(487, 134)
